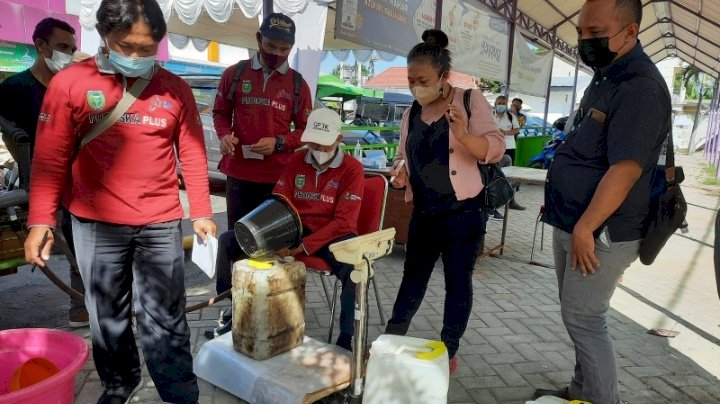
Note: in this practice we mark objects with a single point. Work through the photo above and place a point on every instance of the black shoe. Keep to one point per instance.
(225, 317)
(344, 341)
(216, 332)
(495, 215)
(516, 206)
(117, 395)
(562, 393)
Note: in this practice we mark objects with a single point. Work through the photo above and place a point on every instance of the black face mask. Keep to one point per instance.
(595, 52)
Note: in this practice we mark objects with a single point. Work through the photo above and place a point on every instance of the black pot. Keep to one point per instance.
(273, 225)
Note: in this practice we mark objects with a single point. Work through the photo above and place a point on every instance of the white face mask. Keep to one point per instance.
(322, 157)
(58, 61)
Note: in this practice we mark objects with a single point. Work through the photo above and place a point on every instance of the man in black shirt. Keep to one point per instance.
(21, 96)
(598, 186)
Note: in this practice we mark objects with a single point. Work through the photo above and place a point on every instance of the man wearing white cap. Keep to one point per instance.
(326, 188)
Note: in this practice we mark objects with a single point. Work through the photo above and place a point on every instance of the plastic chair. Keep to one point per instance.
(372, 213)
(539, 222)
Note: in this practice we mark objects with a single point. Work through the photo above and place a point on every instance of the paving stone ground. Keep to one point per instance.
(515, 341)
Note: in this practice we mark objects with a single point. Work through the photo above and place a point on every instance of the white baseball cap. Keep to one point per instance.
(323, 127)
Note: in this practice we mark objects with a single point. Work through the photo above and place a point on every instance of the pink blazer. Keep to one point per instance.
(466, 179)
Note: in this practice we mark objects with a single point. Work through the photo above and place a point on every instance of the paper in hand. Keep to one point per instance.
(249, 154)
(205, 255)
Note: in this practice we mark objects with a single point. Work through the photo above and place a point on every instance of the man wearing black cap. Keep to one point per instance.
(256, 103)
(257, 100)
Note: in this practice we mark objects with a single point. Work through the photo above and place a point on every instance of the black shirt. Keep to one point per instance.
(21, 96)
(624, 115)
(429, 163)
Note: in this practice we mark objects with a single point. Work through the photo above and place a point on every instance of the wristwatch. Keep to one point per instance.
(279, 143)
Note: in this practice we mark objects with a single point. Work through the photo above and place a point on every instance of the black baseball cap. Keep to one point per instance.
(278, 26)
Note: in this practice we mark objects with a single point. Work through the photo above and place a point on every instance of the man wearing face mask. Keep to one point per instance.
(21, 96)
(598, 187)
(510, 127)
(516, 109)
(123, 197)
(326, 188)
(257, 101)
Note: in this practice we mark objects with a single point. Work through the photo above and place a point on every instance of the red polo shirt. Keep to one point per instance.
(263, 107)
(127, 175)
(328, 201)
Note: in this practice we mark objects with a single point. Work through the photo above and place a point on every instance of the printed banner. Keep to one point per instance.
(393, 26)
(531, 70)
(478, 39)
(16, 57)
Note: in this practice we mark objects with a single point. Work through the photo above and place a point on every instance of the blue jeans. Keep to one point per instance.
(143, 266)
(584, 302)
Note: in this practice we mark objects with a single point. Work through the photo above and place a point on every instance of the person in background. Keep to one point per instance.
(441, 150)
(21, 96)
(125, 220)
(326, 188)
(254, 121)
(257, 102)
(598, 187)
(510, 127)
(516, 109)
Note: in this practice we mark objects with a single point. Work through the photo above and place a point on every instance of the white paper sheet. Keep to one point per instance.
(249, 154)
(205, 255)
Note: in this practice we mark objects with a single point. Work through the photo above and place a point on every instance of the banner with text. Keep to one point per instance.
(530, 73)
(393, 26)
(16, 57)
(478, 39)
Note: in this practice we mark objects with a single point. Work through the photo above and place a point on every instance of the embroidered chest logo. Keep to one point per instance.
(156, 102)
(96, 100)
(246, 86)
(300, 181)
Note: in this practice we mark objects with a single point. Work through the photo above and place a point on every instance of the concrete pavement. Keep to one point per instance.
(515, 340)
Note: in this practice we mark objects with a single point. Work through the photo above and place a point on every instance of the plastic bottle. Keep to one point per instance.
(357, 153)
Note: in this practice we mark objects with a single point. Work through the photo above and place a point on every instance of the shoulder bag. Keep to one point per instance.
(668, 207)
(497, 191)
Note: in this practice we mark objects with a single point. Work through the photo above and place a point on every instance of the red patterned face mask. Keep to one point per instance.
(272, 61)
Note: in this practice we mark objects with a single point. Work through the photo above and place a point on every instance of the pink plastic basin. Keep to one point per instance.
(67, 351)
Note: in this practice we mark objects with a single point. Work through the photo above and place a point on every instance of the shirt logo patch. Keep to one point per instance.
(44, 117)
(96, 100)
(333, 184)
(155, 103)
(300, 181)
(246, 86)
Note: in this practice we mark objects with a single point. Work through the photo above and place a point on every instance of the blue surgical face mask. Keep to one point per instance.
(500, 108)
(131, 67)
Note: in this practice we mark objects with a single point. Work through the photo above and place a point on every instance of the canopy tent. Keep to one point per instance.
(332, 86)
(687, 29)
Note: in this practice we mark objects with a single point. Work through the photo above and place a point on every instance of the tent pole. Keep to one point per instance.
(438, 14)
(696, 122)
(547, 92)
(511, 47)
(267, 7)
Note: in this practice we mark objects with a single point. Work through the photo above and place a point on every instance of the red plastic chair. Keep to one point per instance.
(372, 212)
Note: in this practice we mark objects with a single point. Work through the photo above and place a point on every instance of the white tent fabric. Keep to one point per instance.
(188, 11)
(362, 55)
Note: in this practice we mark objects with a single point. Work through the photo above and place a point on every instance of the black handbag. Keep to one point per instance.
(668, 207)
(497, 191)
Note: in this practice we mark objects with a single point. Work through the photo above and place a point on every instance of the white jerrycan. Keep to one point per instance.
(405, 370)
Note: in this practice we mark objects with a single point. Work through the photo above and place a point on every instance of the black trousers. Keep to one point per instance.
(114, 260)
(229, 251)
(242, 197)
(455, 237)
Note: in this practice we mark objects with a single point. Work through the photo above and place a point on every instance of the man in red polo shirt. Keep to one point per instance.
(124, 199)
(326, 186)
(257, 100)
